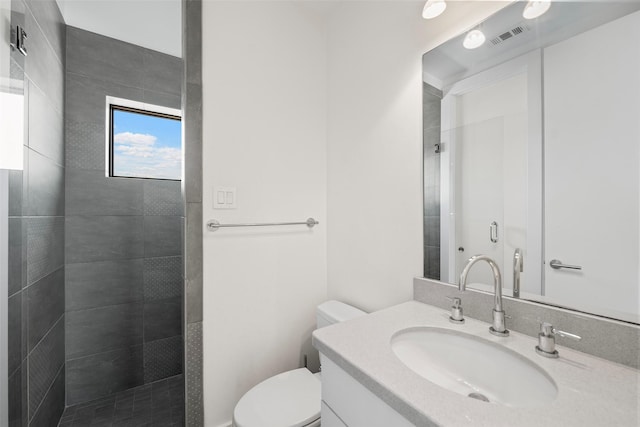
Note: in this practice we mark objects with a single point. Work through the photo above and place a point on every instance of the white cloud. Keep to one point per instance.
(137, 156)
(137, 139)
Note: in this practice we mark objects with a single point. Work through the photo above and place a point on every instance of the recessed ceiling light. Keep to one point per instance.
(533, 9)
(474, 39)
(433, 8)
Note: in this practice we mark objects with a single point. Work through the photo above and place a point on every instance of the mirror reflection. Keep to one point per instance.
(531, 155)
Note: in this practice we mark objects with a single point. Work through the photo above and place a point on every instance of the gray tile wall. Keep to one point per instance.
(431, 98)
(192, 122)
(123, 236)
(36, 224)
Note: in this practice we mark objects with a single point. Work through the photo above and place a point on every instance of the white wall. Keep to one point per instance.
(375, 144)
(154, 24)
(309, 107)
(264, 76)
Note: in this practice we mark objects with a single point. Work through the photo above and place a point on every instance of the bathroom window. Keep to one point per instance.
(144, 141)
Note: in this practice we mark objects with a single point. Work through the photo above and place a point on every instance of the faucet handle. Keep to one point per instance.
(457, 301)
(547, 339)
(547, 329)
(456, 311)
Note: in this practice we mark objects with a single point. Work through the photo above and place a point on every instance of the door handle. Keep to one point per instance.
(557, 264)
(493, 232)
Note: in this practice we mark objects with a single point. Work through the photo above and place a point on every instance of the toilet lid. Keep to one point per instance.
(290, 399)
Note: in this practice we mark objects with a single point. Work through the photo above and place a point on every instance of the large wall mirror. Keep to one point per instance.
(532, 155)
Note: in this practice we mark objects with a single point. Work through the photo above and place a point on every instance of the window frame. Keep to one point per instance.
(127, 105)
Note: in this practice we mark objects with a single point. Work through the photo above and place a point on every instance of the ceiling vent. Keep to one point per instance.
(520, 29)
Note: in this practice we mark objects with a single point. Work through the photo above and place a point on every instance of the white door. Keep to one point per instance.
(592, 159)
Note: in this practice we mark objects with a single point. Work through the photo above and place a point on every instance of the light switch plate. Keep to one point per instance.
(224, 198)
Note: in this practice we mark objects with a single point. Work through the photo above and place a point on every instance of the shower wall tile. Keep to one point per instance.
(85, 145)
(162, 359)
(193, 144)
(194, 403)
(36, 225)
(432, 112)
(103, 329)
(45, 362)
(15, 328)
(17, 256)
(102, 374)
(192, 101)
(163, 73)
(45, 246)
(192, 40)
(43, 67)
(162, 236)
(162, 319)
(18, 11)
(162, 278)
(45, 305)
(50, 20)
(85, 97)
(432, 262)
(46, 126)
(124, 236)
(193, 260)
(90, 192)
(102, 283)
(169, 100)
(431, 173)
(104, 58)
(52, 406)
(46, 187)
(432, 200)
(162, 198)
(432, 230)
(99, 238)
(15, 192)
(431, 164)
(17, 397)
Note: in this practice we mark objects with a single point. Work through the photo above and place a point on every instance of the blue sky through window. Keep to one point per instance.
(146, 146)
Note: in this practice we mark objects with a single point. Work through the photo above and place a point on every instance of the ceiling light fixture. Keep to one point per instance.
(474, 39)
(433, 8)
(536, 8)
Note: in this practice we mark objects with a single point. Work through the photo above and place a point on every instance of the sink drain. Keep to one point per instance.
(478, 396)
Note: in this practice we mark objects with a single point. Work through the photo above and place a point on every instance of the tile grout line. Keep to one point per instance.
(44, 336)
(45, 394)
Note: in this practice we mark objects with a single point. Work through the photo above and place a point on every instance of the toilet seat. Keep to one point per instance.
(289, 399)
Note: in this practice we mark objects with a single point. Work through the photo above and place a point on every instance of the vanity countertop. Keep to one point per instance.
(591, 391)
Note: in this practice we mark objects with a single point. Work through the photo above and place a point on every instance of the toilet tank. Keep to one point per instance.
(331, 312)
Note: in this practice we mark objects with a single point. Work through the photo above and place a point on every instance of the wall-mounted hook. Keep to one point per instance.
(437, 148)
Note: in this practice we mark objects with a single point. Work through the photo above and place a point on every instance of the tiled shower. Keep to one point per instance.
(123, 242)
(95, 265)
(431, 98)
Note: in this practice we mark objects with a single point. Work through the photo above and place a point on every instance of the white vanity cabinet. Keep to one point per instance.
(347, 403)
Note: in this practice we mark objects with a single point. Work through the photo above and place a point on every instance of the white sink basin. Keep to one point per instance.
(474, 367)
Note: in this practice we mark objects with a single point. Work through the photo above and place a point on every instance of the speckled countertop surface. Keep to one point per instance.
(591, 391)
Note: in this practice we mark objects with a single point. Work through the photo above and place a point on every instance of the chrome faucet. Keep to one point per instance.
(498, 327)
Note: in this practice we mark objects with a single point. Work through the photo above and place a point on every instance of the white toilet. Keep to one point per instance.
(292, 398)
